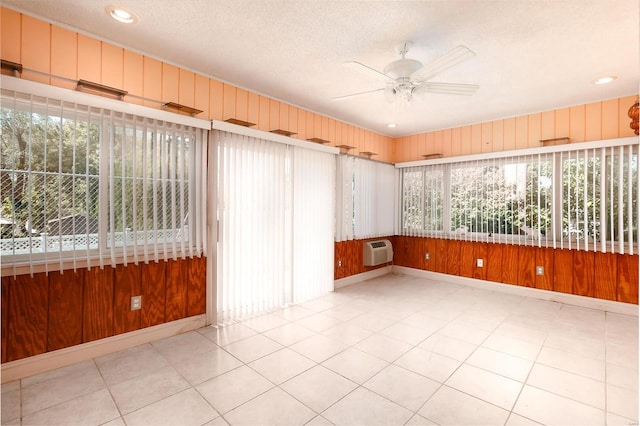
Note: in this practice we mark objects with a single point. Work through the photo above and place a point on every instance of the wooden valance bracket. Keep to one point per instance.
(84, 85)
(12, 67)
(318, 140)
(182, 109)
(368, 154)
(239, 122)
(431, 156)
(552, 141)
(283, 132)
(345, 148)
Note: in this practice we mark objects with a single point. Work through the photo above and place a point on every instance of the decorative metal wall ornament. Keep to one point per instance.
(633, 114)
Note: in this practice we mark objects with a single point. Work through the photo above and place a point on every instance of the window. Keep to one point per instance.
(79, 183)
(560, 197)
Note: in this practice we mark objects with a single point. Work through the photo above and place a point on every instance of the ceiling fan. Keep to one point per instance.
(405, 78)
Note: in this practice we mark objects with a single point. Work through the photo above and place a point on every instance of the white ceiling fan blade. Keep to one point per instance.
(339, 98)
(448, 88)
(366, 69)
(444, 62)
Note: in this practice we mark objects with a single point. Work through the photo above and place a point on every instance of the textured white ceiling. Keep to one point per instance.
(532, 55)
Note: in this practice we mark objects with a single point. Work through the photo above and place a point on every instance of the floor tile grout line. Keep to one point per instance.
(194, 386)
(443, 383)
(566, 397)
(91, 361)
(357, 384)
(320, 412)
(461, 391)
(169, 363)
(113, 400)
(275, 385)
(316, 333)
(524, 383)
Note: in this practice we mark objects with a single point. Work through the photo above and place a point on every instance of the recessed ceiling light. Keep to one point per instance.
(605, 80)
(121, 14)
(391, 126)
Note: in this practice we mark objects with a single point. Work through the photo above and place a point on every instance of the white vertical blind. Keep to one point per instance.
(251, 214)
(313, 223)
(275, 212)
(344, 198)
(366, 197)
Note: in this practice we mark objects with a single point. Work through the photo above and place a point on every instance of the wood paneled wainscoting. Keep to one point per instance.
(349, 257)
(46, 312)
(608, 276)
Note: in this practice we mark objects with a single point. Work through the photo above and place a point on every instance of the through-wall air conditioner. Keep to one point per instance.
(377, 252)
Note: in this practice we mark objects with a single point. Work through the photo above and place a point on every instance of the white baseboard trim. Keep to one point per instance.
(343, 282)
(554, 296)
(26, 367)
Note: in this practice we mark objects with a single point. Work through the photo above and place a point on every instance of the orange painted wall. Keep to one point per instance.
(581, 123)
(65, 56)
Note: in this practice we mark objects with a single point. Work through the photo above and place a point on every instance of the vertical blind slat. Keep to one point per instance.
(620, 194)
(365, 198)
(631, 223)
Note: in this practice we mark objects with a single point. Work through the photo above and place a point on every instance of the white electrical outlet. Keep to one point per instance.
(427, 256)
(539, 270)
(136, 303)
(480, 263)
(339, 263)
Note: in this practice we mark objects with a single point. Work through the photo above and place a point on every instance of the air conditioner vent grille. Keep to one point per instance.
(377, 252)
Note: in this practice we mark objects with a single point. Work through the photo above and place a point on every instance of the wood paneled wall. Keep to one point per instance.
(582, 123)
(602, 275)
(48, 49)
(351, 256)
(48, 312)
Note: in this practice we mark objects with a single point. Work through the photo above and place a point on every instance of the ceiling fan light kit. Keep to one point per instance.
(405, 77)
(402, 68)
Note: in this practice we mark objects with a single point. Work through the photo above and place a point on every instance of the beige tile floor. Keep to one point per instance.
(394, 350)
